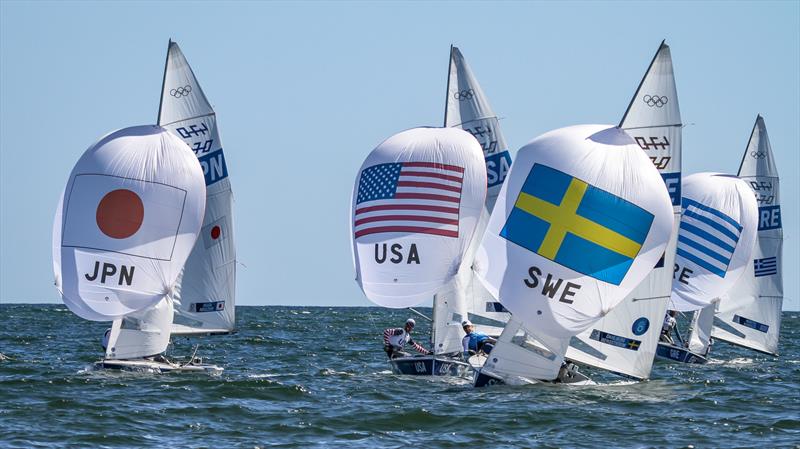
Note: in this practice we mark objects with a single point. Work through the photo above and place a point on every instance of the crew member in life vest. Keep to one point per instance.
(395, 339)
(475, 342)
(670, 324)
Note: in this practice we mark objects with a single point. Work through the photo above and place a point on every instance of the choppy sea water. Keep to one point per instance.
(317, 377)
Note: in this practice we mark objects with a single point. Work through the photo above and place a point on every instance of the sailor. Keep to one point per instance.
(106, 336)
(666, 329)
(475, 342)
(395, 339)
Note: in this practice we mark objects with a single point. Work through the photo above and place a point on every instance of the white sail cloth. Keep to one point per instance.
(581, 219)
(750, 312)
(129, 216)
(416, 203)
(468, 108)
(715, 240)
(141, 334)
(624, 341)
(206, 290)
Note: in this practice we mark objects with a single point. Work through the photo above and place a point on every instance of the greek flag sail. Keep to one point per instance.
(468, 108)
(567, 242)
(653, 120)
(749, 314)
(205, 296)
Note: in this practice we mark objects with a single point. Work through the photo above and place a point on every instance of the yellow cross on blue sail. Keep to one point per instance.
(577, 225)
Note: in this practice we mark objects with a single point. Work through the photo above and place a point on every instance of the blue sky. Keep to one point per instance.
(303, 92)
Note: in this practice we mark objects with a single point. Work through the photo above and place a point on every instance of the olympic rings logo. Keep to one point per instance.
(181, 91)
(464, 95)
(655, 100)
(758, 154)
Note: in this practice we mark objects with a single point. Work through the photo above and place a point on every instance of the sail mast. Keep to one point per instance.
(163, 83)
(636, 93)
(447, 91)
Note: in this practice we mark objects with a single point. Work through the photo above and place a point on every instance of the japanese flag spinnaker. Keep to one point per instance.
(128, 218)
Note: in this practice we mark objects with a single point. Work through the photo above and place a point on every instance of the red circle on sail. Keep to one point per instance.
(215, 232)
(120, 214)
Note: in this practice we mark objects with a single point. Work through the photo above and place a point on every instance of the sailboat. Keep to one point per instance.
(715, 240)
(750, 313)
(205, 292)
(624, 340)
(467, 108)
(581, 220)
(416, 205)
(126, 222)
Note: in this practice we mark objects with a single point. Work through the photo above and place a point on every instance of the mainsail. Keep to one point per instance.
(715, 239)
(415, 207)
(468, 108)
(580, 221)
(750, 314)
(624, 341)
(206, 291)
(128, 218)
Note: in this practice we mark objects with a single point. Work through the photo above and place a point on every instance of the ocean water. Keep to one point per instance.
(317, 377)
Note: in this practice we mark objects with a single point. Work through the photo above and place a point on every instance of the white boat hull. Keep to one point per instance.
(154, 366)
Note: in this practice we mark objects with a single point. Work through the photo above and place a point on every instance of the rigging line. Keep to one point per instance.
(420, 314)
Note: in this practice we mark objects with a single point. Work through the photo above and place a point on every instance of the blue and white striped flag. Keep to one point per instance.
(707, 237)
(766, 266)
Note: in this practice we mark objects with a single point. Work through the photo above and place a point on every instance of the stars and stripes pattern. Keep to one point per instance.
(410, 197)
(707, 237)
(766, 266)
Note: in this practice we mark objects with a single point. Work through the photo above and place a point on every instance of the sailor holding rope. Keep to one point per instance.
(475, 342)
(395, 339)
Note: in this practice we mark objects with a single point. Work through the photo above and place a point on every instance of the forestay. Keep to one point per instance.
(715, 239)
(415, 207)
(624, 341)
(206, 292)
(580, 221)
(129, 216)
(750, 313)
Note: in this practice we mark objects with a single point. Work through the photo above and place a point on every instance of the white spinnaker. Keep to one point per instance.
(612, 221)
(715, 240)
(130, 214)
(141, 334)
(700, 332)
(205, 297)
(750, 314)
(653, 120)
(416, 204)
(467, 107)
